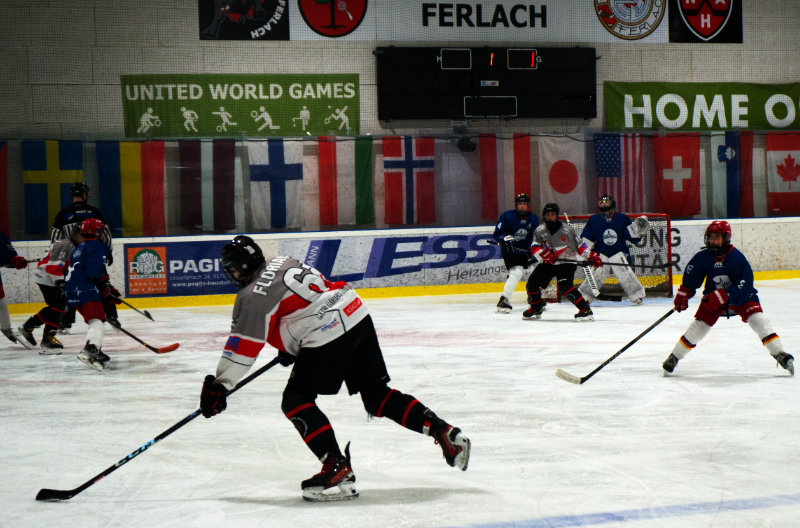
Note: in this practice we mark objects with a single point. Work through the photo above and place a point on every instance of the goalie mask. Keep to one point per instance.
(723, 228)
(242, 256)
(607, 205)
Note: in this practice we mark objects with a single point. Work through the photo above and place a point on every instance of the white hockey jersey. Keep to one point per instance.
(53, 265)
(288, 305)
(564, 243)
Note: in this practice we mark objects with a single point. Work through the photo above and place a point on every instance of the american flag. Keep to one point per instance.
(618, 163)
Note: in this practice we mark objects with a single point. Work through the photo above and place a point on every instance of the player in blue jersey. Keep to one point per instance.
(728, 291)
(8, 259)
(514, 233)
(87, 285)
(608, 233)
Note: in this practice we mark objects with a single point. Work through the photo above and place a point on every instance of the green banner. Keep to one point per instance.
(701, 106)
(240, 105)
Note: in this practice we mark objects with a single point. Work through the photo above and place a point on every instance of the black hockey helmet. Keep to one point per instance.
(724, 228)
(79, 189)
(242, 255)
(551, 207)
(607, 205)
(522, 198)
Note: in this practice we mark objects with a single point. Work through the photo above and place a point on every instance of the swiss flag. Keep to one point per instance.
(677, 159)
(783, 174)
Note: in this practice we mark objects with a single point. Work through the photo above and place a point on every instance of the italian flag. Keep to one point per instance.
(345, 181)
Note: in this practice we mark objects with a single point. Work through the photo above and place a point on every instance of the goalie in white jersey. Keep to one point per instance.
(325, 329)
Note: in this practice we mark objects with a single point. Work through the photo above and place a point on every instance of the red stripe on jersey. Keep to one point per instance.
(298, 409)
(290, 304)
(380, 407)
(408, 410)
(243, 346)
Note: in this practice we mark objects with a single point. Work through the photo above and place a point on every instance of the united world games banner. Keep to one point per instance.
(243, 105)
(701, 106)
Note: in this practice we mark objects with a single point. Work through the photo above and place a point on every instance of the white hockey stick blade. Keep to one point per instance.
(566, 376)
(346, 491)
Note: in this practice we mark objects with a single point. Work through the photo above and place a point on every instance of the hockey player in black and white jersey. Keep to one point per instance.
(552, 240)
(514, 233)
(608, 233)
(325, 329)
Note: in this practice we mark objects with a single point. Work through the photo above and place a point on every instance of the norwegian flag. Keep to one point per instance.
(618, 161)
(408, 171)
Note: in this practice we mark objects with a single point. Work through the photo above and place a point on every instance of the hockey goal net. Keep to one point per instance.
(653, 249)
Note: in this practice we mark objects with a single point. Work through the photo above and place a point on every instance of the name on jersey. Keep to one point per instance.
(268, 275)
(330, 302)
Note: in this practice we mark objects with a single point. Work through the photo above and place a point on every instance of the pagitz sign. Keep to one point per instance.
(701, 106)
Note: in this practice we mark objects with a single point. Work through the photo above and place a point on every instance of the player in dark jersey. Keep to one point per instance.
(551, 240)
(728, 291)
(8, 259)
(325, 329)
(514, 233)
(608, 233)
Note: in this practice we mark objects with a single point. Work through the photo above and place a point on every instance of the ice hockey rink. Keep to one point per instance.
(712, 445)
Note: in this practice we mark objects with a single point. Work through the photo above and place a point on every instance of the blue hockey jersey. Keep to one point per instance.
(520, 227)
(609, 235)
(87, 267)
(732, 273)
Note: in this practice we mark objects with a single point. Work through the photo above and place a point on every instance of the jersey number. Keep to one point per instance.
(304, 283)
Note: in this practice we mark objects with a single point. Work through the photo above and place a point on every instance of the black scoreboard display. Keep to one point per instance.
(459, 83)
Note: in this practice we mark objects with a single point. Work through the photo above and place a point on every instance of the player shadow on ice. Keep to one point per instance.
(388, 496)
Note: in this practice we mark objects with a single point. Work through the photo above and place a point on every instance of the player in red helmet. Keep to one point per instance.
(728, 291)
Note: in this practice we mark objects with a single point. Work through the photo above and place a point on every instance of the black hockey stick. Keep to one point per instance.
(157, 350)
(129, 305)
(643, 266)
(578, 381)
(62, 495)
(515, 248)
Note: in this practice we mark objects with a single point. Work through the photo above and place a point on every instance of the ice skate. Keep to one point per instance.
(636, 302)
(336, 472)
(670, 363)
(25, 337)
(455, 445)
(586, 315)
(92, 356)
(533, 313)
(9, 334)
(786, 361)
(50, 346)
(503, 306)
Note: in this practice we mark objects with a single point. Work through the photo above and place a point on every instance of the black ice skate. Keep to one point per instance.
(25, 337)
(92, 356)
(50, 346)
(586, 315)
(336, 472)
(533, 313)
(455, 445)
(786, 361)
(9, 334)
(503, 306)
(670, 363)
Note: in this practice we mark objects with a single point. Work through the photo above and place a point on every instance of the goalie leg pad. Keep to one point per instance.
(627, 278)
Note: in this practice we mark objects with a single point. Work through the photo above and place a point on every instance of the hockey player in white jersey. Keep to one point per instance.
(554, 240)
(608, 233)
(325, 329)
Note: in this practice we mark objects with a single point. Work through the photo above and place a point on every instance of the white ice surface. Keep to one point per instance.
(712, 445)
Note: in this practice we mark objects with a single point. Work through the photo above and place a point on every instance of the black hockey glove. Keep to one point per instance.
(213, 397)
(285, 358)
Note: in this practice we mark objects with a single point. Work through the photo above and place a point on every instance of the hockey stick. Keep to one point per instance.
(587, 270)
(129, 305)
(579, 381)
(643, 266)
(157, 350)
(61, 495)
(515, 248)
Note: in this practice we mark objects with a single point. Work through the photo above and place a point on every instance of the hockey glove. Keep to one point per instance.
(19, 262)
(642, 224)
(594, 260)
(714, 300)
(109, 293)
(285, 358)
(213, 397)
(546, 255)
(508, 243)
(682, 298)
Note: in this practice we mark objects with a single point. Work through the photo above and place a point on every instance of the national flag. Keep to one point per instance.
(619, 169)
(408, 165)
(345, 181)
(131, 187)
(207, 176)
(503, 160)
(276, 183)
(562, 168)
(49, 168)
(4, 224)
(677, 160)
(732, 174)
(783, 173)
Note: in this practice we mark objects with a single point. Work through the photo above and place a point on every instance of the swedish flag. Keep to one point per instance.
(49, 168)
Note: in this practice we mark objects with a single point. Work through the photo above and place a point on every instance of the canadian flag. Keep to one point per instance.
(783, 174)
(677, 160)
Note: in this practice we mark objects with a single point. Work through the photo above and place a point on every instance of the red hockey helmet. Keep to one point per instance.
(723, 228)
(92, 228)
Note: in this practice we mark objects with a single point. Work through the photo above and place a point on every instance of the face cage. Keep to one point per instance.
(718, 251)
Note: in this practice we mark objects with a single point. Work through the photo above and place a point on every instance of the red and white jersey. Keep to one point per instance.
(53, 265)
(564, 243)
(288, 305)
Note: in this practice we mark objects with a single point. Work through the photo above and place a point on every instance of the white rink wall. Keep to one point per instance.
(767, 242)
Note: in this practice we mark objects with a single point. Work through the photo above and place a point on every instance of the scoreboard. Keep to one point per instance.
(485, 82)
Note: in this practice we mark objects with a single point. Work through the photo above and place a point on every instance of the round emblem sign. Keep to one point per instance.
(630, 20)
